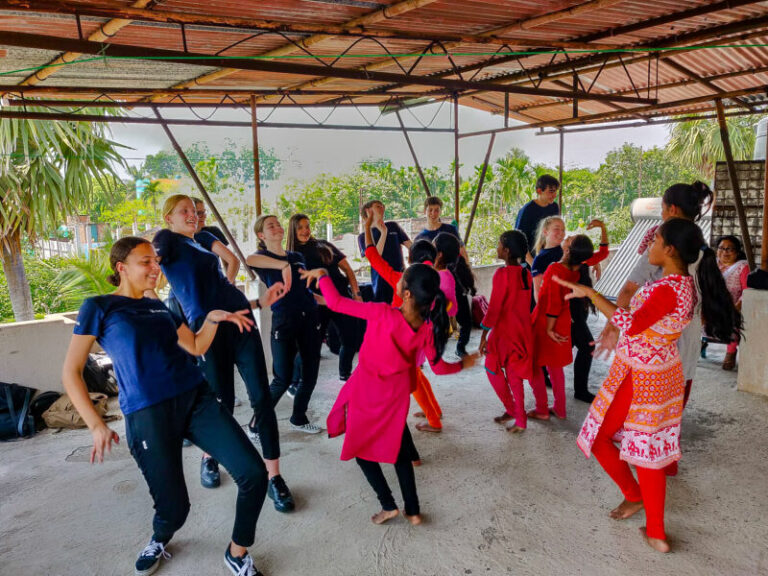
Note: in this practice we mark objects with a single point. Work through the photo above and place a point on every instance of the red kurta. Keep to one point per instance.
(552, 303)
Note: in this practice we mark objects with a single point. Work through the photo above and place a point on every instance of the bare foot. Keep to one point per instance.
(552, 411)
(626, 510)
(515, 429)
(655, 543)
(384, 516)
(417, 462)
(415, 520)
(506, 417)
(419, 415)
(536, 416)
(424, 427)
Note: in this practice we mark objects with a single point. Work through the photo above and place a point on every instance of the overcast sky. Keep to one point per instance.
(307, 153)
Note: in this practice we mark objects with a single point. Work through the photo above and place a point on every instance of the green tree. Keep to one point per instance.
(697, 143)
(47, 171)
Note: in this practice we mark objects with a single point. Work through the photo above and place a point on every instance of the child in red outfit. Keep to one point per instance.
(552, 326)
(508, 348)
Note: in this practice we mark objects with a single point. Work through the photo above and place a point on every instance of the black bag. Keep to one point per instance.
(758, 279)
(16, 421)
(98, 374)
(40, 404)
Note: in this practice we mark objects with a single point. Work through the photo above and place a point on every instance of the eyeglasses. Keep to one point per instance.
(725, 249)
(201, 212)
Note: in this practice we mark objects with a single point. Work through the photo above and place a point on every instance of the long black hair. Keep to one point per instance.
(580, 250)
(740, 255)
(422, 251)
(721, 318)
(691, 199)
(449, 248)
(517, 247)
(423, 282)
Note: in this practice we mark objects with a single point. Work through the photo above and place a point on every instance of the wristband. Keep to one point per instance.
(258, 304)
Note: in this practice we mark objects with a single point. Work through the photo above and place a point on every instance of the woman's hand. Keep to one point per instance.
(368, 222)
(241, 318)
(273, 294)
(469, 360)
(103, 436)
(557, 337)
(577, 290)
(482, 348)
(287, 276)
(313, 275)
(596, 224)
(606, 342)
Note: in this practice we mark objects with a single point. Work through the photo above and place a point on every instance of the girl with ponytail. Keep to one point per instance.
(372, 407)
(642, 397)
(449, 257)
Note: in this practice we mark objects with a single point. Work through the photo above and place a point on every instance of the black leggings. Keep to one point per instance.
(463, 317)
(232, 348)
(582, 339)
(405, 476)
(155, 436)
(292, 333)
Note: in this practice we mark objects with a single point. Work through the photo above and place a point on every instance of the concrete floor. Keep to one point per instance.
(494, 503)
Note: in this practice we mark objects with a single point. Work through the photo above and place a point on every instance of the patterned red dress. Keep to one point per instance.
(552, 303)
(647, 353)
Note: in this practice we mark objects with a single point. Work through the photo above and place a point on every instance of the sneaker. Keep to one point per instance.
(253, 434)
(149, 559)
(242, 566)
(292, 390)
(461, 351)
(278, 491)
(238, 402)
(344, 377)
(307, 428)
(209, 473)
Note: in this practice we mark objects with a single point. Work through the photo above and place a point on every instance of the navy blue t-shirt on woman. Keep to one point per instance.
(139, 335)
(544, 258)
(195, 275)
(299, 298)
(529, 217)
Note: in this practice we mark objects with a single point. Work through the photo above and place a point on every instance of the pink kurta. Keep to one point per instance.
(372, 406)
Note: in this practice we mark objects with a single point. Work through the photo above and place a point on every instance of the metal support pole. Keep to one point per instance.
(734, 183)
(575, 99)
(479, 188)
(256, 167)
(764, 239)
(205, 194)
(506, 110)
(413, 154)
(456, 158)
(560, 190)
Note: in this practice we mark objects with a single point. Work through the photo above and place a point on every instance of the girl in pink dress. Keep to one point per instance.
(372, 407)
(735, 268)
(507, 339)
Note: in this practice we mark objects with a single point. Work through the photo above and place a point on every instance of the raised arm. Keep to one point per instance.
(231, 263)
(76, 389)
(337, 302)
(345, 267)
(263, 261)
(389, 274)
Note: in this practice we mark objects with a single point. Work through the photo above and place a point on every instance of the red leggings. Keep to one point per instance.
(652, 486)
(557, 377)
(509, 388)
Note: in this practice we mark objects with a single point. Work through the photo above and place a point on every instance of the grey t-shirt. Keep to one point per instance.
(689, 343)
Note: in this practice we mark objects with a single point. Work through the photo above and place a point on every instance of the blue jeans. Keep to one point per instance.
(295, 332)
(232, 348)
(155, 436)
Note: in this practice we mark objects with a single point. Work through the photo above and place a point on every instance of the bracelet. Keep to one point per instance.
(358, 293)
(214, 322)
(594, 297)
(258, 304)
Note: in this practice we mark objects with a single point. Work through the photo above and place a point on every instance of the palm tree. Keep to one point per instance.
(697, 143)
(47, 171)
(515, 178)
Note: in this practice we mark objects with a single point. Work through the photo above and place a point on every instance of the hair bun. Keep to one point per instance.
(702, 190)
(114, 279)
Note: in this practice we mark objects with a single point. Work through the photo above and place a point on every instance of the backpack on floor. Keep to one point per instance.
(62, 413)
(16, 421)
(40, 404)
(99, 375)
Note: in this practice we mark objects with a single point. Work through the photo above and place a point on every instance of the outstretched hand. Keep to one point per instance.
(273, 294)
(103, 436)
(606, 342)
(577, 290)
(469, 360)
(595, 224)
(241, 318)
(313, 275)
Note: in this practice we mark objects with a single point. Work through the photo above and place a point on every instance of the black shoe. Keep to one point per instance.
(209, 473)
(278, 491)
(292, 390)
(587, 397)
(242, 566)
(149, 558)
(344, 377)
(461, 351)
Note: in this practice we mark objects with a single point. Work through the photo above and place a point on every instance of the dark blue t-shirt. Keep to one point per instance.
(430, 235)
(299, 298)
(322, 254)
(544, 258)
(393, 255)
(216, 231)
(139, 335)
(195, 275)
(529, 217)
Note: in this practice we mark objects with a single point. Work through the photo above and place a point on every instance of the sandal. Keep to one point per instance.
(424, 427)
(506, 417)
(730, 361)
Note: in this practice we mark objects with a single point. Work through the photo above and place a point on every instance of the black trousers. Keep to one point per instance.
(345, 330)
(232, 348)
(155, 437)
(464, 318)
(582, 339)
(405, 477)
(295, 332)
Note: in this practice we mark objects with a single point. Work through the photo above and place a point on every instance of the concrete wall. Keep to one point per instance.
(32, 353)
(753, 351)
